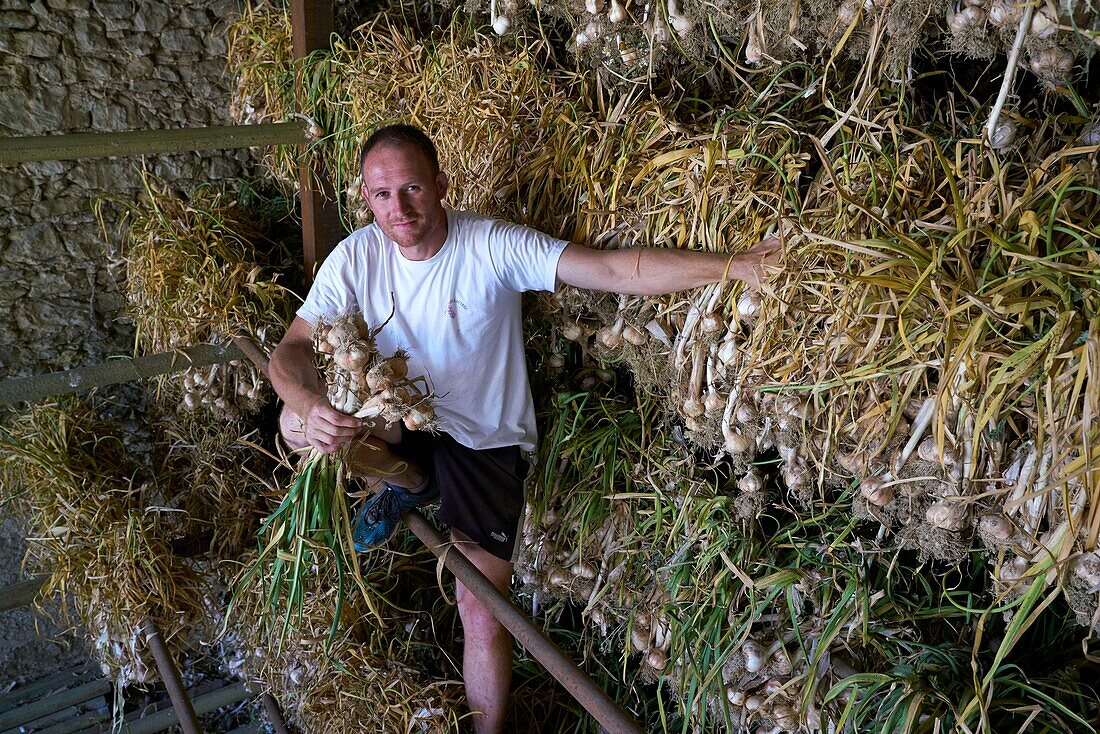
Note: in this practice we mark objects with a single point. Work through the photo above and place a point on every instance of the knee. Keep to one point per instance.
(292, 429)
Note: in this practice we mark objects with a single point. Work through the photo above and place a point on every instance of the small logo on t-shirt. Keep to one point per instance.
(453, 305)
(499, 537)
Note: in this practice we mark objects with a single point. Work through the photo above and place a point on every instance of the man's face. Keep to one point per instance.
(404, 192)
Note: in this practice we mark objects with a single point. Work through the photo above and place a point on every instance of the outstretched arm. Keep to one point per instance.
(296, 381)
(647, 271)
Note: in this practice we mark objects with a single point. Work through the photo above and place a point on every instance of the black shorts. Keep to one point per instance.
(481, 491)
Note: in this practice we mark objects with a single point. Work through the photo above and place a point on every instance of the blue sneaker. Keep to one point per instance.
(379, 516)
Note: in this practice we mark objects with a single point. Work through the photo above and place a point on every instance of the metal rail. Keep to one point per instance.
(142, 142)
(274, 714)
(122, 369)
(557, 663)
(181, 702)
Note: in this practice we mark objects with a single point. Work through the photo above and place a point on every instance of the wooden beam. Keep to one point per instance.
(20, 593)
(144, 142)
(312, 23)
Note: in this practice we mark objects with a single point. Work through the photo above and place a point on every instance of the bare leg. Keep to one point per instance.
(487, 650)
(369, 457)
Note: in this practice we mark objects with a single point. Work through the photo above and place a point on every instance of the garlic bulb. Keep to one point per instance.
(876, 492)
(736, 443)
(1052, 64)
(752, 482)
(1090, 135)
(745, 413)
(609, 336)
(354, 188)
(714, 402)
(584, 570)
(950, 516)
(748, 305)
(1086, 568)
(1004, 135)
(634, 335)
(656, 659)
(693, 407)
(847, 12)
(755, 655)
(1003, 13)
(1013, 570)
(754, 55)
(573, 331)
(680, 22)
(965, 18)
(616, 14)
(996, 527)
(1042, 24)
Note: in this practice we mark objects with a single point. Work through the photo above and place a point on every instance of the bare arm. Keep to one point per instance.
(296, 381)
(646, 271)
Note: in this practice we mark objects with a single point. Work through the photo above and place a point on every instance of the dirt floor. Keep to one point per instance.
(30, 645)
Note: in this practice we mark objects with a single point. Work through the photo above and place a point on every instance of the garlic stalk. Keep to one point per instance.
(1010, 71)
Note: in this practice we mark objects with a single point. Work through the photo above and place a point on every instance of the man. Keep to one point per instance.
(453, 282)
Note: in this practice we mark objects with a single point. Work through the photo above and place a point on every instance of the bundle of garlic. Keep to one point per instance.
(363, 383)
(226, 391)
(313, 517)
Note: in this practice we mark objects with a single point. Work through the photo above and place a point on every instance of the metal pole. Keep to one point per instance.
(123, 369)
(142, 142)
(188, 721)
(557, 663)
(51, 704)
(254, 353)
(274, 714)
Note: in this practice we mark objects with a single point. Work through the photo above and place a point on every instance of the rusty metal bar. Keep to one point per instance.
(123, 369)
(44, 707)
(579, 685)
(188, 720)
(142, 142)
(312, 23)
(274, 714)
(253, 352)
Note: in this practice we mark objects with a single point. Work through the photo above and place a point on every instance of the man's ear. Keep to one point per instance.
(442, 183)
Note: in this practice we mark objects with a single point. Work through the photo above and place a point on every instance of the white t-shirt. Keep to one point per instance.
(457, 314)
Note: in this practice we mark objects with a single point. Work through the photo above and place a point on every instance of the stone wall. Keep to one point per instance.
(81, 66)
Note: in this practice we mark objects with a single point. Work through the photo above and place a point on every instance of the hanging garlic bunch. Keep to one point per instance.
(614, 334)
(225, 390)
